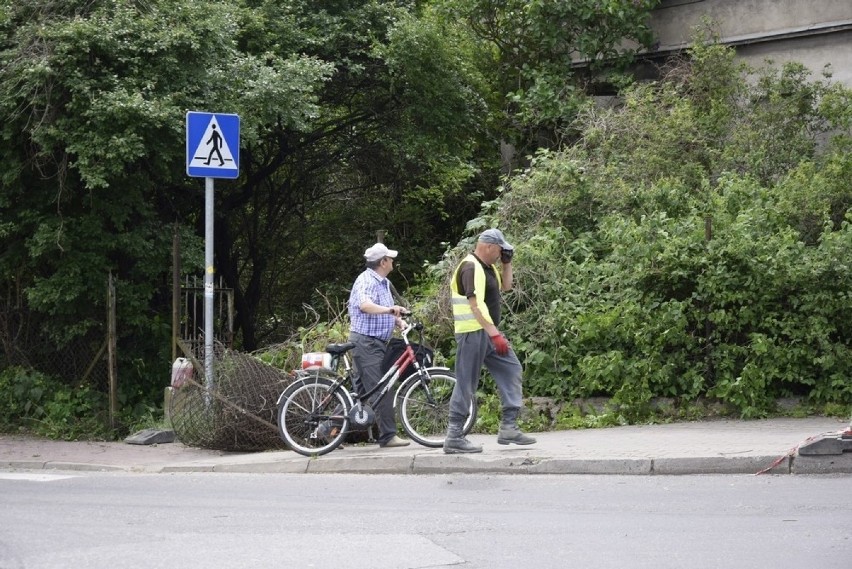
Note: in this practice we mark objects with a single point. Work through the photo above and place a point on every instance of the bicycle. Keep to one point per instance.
(317, 411)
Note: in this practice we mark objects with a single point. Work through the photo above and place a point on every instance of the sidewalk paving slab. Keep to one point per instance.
(722, 446)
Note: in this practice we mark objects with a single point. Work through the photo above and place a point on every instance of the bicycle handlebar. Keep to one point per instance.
(408, 326)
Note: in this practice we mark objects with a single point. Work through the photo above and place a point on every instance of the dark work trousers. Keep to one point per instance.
(368, 355)
(475, 350)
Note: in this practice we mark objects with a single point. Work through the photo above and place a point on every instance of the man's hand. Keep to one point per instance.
(506, 255)
(501, 344)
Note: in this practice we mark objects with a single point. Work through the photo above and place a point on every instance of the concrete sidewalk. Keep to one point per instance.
(704, 447)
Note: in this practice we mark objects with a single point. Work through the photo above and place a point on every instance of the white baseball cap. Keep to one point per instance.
(378, 252)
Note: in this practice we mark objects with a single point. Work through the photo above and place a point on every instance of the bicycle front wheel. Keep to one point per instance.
(313, 417)
(423, 405)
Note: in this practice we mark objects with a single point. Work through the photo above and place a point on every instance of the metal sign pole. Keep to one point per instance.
(209, 381)
(212, 151)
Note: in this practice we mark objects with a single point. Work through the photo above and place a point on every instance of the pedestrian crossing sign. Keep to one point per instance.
(212, 145)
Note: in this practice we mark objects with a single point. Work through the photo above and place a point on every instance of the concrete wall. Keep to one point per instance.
(815, 52)
(814, 32)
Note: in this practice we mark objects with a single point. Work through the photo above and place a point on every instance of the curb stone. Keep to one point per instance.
(822, 464)
(703, 447)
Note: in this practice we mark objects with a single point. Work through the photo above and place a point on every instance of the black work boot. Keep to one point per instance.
(456, 443)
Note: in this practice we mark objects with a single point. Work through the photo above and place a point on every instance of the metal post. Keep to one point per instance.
(209, 381)
(175, 289)
(112, 352)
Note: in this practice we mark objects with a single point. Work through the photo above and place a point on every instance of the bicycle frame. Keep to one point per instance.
(389, 379)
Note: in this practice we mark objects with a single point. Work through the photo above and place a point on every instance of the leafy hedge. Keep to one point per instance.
(33, 402)
(696, 241)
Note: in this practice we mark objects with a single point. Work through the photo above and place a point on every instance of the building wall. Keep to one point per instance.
(816, 33)
(832, 53)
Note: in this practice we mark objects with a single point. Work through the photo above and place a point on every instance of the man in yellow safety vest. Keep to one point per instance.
(476, 286)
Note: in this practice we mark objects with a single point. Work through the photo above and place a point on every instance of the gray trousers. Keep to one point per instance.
(368, 355)
(475, 350)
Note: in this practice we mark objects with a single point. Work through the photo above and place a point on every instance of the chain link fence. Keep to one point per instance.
(236, 411)
(82, 362)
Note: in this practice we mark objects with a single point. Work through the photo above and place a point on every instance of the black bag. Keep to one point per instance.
(395, 348)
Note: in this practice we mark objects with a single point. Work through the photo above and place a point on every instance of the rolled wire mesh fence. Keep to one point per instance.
(237, 412)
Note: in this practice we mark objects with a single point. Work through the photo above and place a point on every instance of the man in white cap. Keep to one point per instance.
(476, 286)
(373, 316)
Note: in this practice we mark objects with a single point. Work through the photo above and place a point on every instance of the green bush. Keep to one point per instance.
(35, 403)
(22, 396)
(695, 242)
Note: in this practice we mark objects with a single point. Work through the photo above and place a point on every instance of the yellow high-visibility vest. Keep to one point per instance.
(463, 318)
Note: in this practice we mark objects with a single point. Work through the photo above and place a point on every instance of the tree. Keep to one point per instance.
(95, 95)
(341, 132)
(390, 147)
(544, 57)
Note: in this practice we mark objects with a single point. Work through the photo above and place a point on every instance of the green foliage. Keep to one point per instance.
(488, 413)
(145, 417)
(530, 50)
(43, 406)
(287, 355)
(393, 143)
(23, 394)
(335, 127)
(694, 243)
(573, 417)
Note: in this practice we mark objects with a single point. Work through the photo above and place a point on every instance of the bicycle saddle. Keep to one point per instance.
(338, 349)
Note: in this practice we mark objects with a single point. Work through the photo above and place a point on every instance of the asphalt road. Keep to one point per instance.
(106, 520)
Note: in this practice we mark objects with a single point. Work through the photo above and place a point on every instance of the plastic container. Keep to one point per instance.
(181, 372)
(316, 360)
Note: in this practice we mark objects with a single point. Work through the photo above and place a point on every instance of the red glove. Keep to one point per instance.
(501, 344)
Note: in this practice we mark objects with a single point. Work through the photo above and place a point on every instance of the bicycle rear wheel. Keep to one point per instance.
(423, 406)
(313, 417)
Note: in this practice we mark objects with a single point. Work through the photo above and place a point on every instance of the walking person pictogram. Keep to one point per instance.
(212, 145)
(216, 140)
